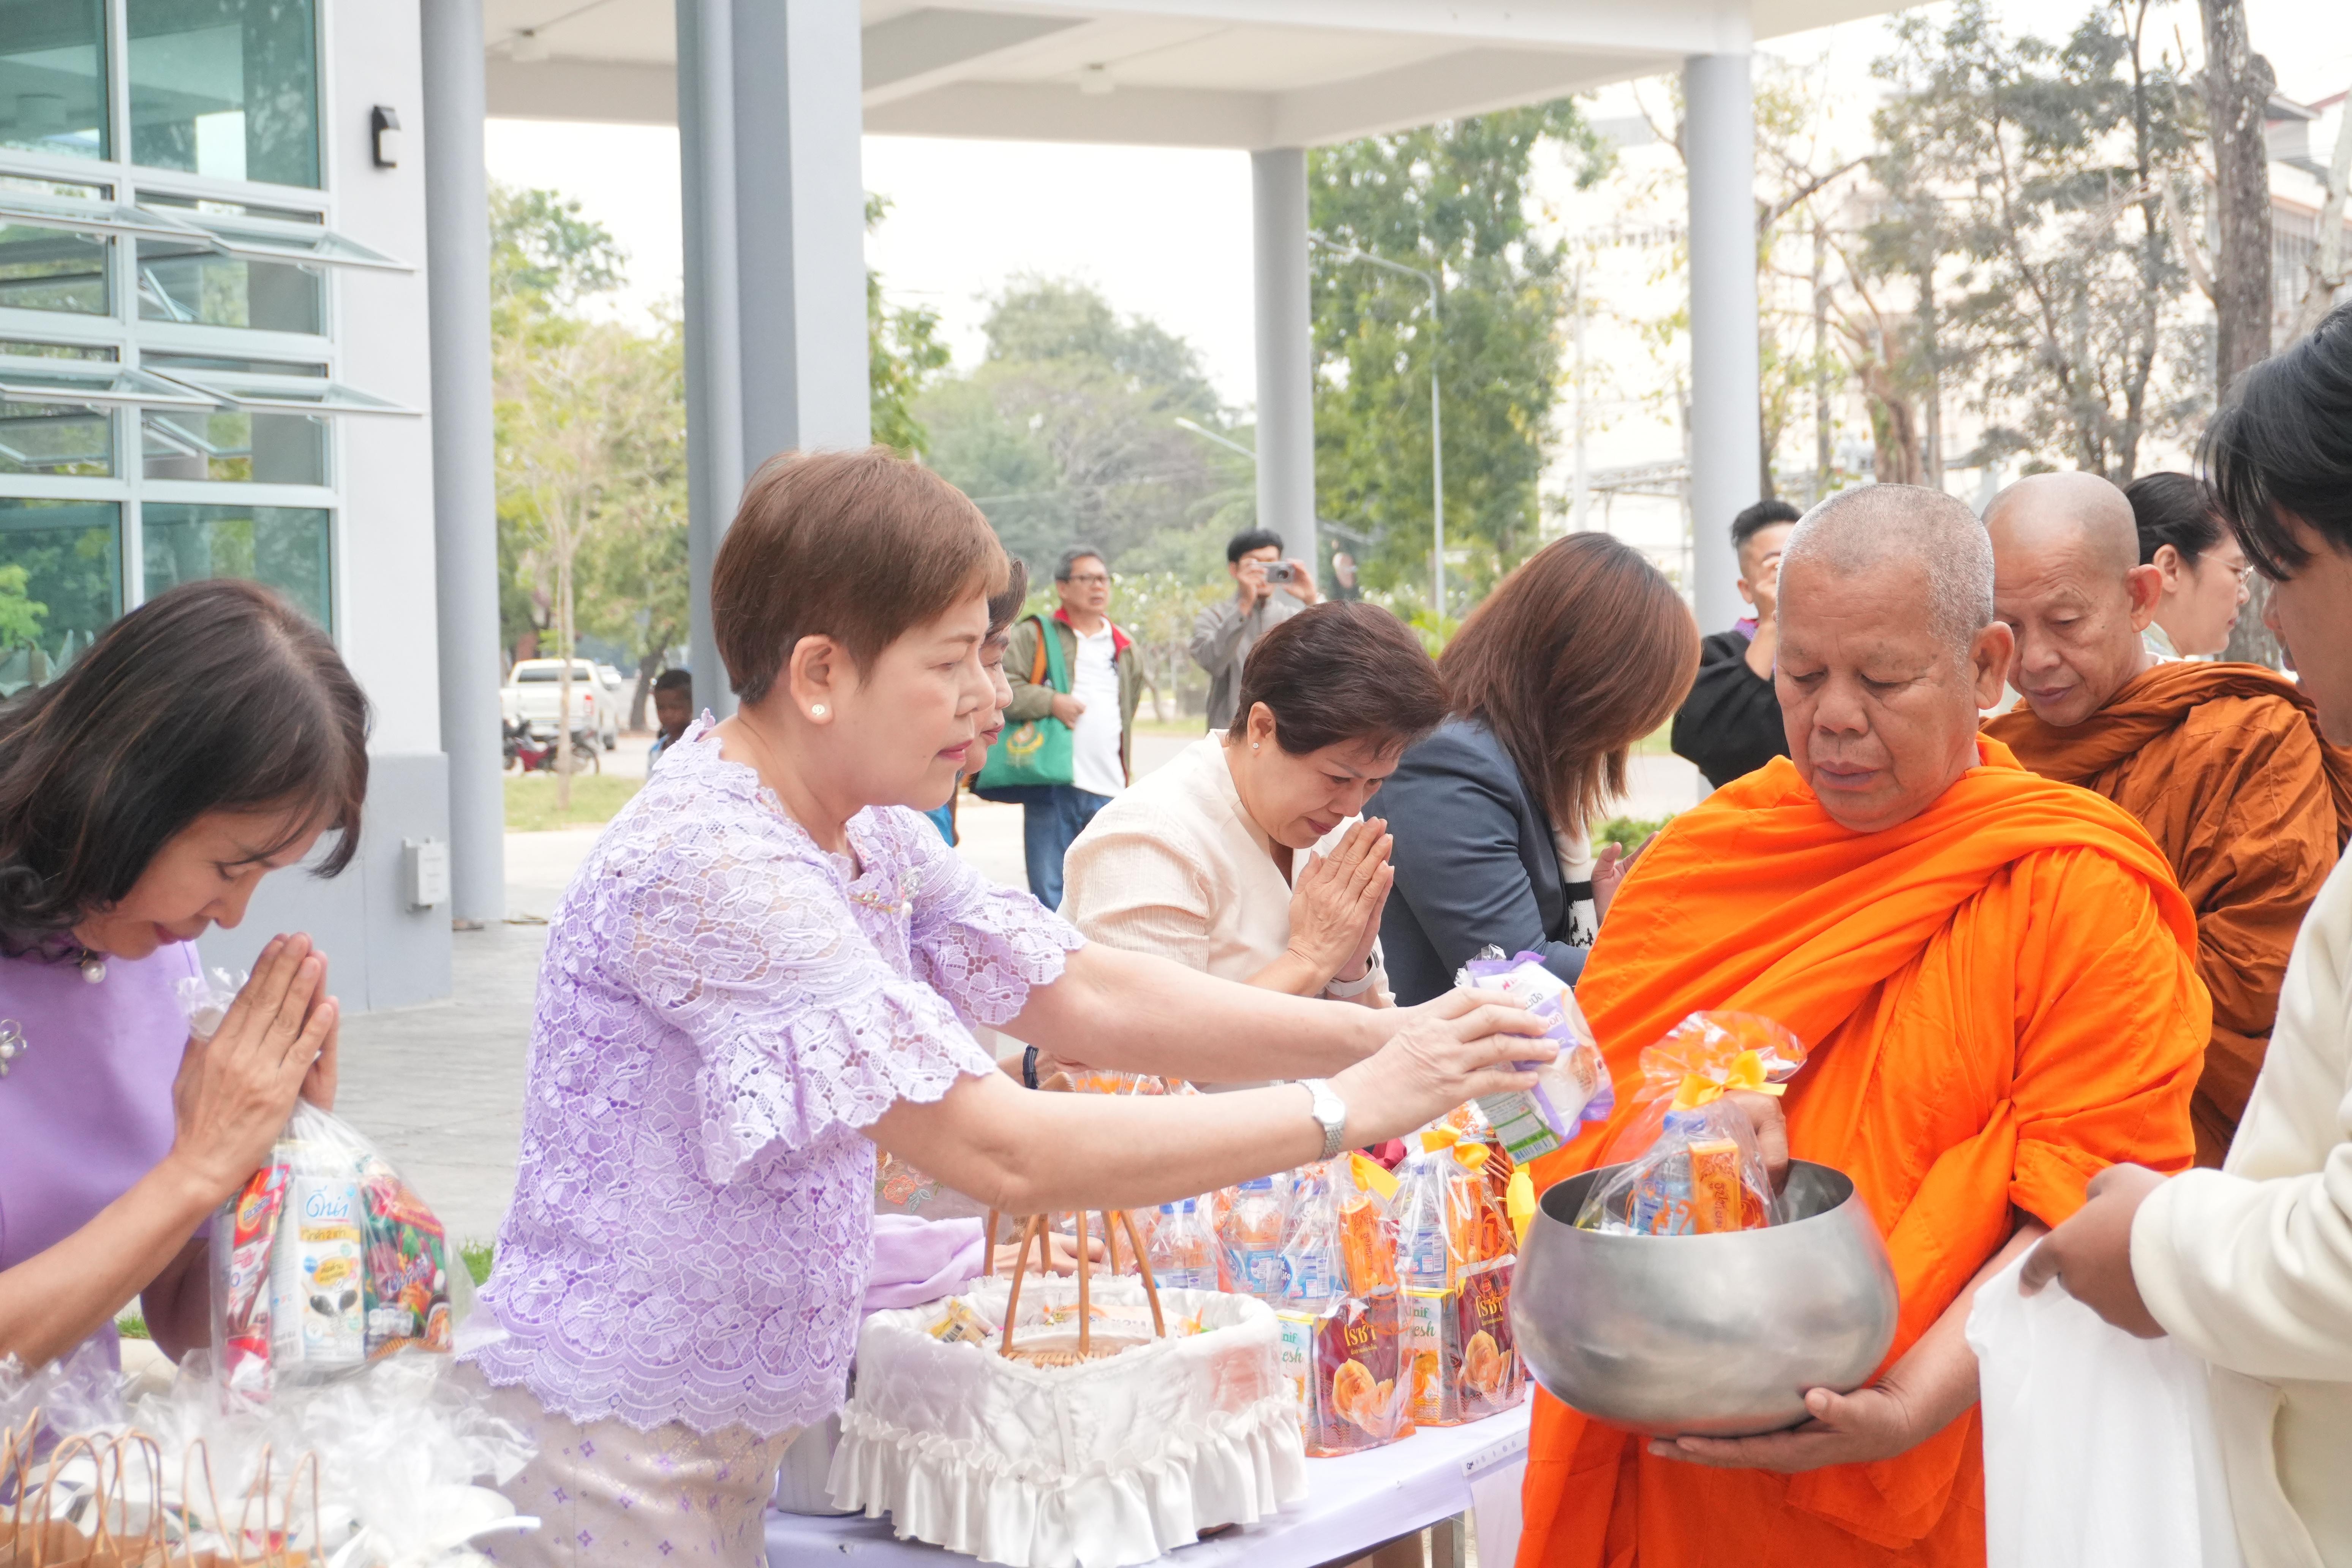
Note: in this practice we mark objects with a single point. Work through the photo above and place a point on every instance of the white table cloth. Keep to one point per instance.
(1353, 1504)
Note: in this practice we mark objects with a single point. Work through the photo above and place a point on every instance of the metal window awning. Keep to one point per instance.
(281, 393)
(26, 378)
(251, 238)
(48, 211)
(305, 244)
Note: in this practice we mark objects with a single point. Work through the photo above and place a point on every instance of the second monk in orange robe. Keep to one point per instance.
(2222, 764)
(1996, 976)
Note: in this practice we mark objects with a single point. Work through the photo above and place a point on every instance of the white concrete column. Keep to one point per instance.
(1285, 361)
(768, 123)
(465, 500)
(1719, 146)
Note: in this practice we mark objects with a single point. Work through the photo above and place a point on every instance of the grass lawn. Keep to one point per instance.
(531, 801)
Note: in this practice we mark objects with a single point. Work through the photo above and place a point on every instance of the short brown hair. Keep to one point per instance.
(215, 696)
(1341, 671)
(856, 546)
(1574, 657)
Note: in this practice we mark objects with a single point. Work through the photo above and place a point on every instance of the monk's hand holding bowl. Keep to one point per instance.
(1771, 1128)
(2090, 1255)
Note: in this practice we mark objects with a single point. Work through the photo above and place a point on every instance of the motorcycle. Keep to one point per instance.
(531, 747)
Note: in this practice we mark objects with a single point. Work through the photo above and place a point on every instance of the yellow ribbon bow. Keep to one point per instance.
(1472, 1156)
(1519, 1203)
(1746, 1071)
(1372, 1176)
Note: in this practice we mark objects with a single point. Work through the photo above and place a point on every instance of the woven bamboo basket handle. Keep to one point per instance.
(1031, 1228)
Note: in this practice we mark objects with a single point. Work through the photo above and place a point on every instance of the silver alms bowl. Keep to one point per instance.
(1713, 1335)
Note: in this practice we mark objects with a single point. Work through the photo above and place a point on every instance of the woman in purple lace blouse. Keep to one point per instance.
(769, 964)
(205, 740)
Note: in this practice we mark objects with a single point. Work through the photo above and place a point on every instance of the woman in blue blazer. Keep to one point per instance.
(1574, 657)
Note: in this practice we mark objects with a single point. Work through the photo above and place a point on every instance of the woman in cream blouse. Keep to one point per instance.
(1212, 861)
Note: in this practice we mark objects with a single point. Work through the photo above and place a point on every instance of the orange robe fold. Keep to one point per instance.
(2000, 999)
(2224, 765)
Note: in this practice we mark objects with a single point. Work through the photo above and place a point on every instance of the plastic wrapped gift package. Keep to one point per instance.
(1113, 1461)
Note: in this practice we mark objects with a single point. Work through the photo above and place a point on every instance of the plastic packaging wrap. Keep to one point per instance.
(1182, 1246)
(379, 1469)
(326, 1259)
(1571, 1090)
(1253, 1232)
(1457, 1257)
(1700, 1170)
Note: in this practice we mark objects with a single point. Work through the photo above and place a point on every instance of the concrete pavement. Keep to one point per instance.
(439, 1087)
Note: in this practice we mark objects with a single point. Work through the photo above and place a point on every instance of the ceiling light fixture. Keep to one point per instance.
(527, 49)
(1095, 82)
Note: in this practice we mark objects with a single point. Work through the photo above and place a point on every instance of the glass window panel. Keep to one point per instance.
(51, 268)
(183, 283)
(214, 206)
(283, 547)
(56, 439)
(91, 354)
(234, 446)
(225, 88)
(53, 75)
(172, 365)
(60, 583)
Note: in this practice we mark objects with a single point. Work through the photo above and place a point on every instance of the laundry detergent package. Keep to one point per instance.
(1571, 1090)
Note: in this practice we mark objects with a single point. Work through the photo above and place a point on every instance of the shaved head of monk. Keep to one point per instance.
(1889, 650)
(2068, 584)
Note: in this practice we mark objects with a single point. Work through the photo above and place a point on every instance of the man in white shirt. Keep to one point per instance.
(1098, 706)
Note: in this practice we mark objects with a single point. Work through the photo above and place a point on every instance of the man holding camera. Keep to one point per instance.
(1224, 634)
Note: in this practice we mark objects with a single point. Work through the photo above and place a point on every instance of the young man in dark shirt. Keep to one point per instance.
(1730, 724)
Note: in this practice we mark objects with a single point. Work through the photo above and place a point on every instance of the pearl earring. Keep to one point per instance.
(816, 710)
(1253, 745)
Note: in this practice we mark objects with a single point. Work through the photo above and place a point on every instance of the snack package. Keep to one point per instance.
(1571, 1090)
(325, 1260)
(1183, 1247)
(1363, 1191)
(1457, 1260)
(1252, 1235)
(1347, 1364)
(1700, 1170)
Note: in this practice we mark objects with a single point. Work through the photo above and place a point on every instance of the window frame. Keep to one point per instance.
(121, 184)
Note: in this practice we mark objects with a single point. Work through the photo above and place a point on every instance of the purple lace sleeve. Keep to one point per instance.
(802, 1024)
(980, 944)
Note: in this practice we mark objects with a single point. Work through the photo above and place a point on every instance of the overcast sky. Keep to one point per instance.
(1161, 231)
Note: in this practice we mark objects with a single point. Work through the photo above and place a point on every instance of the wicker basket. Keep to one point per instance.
(1069, 1348)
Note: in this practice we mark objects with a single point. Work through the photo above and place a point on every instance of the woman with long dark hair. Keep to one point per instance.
(1577, 654)
(205, 740)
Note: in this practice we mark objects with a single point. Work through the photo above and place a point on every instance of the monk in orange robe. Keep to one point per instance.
(1995, 976)
(2222, 764)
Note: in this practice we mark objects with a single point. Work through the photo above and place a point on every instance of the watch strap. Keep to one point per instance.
(1330, 1113)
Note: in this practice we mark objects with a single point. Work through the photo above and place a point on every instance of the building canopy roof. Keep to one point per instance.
(1196, 73)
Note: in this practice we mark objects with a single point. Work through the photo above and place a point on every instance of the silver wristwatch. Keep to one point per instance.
(1330, 1114)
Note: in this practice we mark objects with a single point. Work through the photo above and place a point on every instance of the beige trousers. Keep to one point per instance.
(609, 1496)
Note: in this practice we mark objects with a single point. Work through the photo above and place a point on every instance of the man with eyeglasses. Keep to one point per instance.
(2222, 764)
(1104, 683)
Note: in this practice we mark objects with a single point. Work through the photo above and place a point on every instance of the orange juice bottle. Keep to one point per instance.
(1253, 1235)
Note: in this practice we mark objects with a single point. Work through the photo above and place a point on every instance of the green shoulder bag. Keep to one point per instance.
(1036, 752)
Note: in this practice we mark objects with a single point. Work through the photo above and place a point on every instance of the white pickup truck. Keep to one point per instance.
(534, 686)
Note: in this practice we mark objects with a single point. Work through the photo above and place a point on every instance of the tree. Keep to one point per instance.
(2238, 86)
(1068, 430)
(1452, 200)
(2051, 162)
(20, 615)
(903, 354)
